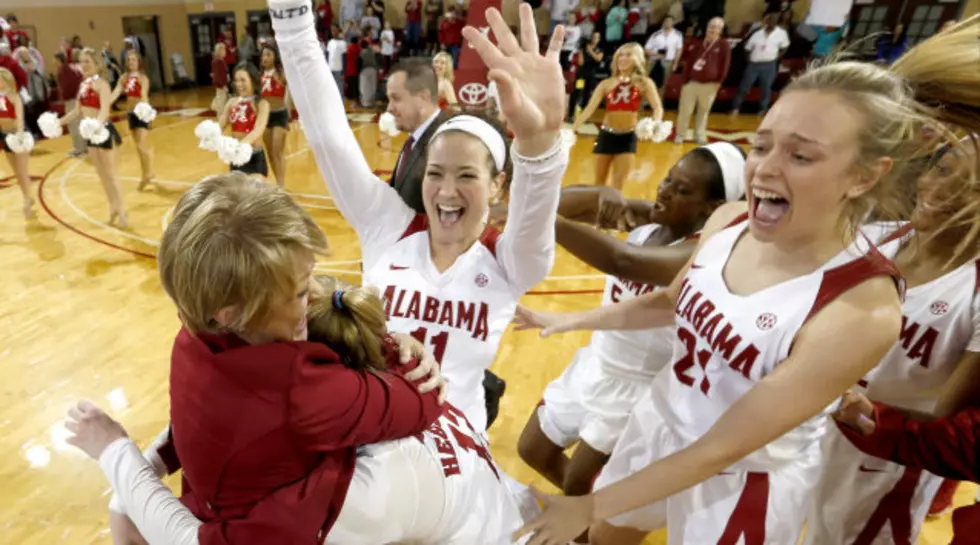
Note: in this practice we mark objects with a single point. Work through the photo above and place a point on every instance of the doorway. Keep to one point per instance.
(144, 30)
(205, 28)
(921, 18)
(260, 25)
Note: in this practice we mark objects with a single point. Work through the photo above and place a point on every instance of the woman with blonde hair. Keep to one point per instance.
(624, 91)
(94, 101)
(12, 132)
(783, 307)
(136, 87)
(442, 63)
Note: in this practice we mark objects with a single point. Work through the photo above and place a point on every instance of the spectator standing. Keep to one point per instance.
(572, 43)
(231, 48)
(705, 65)
(765, 47)
(351, 10)
(387, 47)
(336, 48)
(433, 10)
(664, 49)
(69, 80)
(643, 10)
(451, 34)
(586, 78)
(827, 39)
(370, 26)
(558, 11)
(37, 88)
(377, 8)
(586, 16)
(413, 26)
(352, 61)
(16, 37)
(615, 23)
(324, 21)
(247, 50)
(219, 78)
(892, 45)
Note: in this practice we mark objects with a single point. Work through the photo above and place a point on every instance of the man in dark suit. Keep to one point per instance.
(413, 92)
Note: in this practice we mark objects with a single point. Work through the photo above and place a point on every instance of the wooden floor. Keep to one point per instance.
(84, 316)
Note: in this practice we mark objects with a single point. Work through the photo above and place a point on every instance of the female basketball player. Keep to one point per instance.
(448, 279)
(932, 371)
(276, 93)
(729, 435)
(12, 122)
(624, 91)
(591, 401)
(442, 63)
(248, 115)
(136, 86)
(94, 100)
(438, 487)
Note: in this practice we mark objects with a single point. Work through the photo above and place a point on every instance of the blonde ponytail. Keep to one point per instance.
(351, 320)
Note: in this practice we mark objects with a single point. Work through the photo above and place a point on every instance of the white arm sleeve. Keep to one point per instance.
(526, 250)
(974, 344)
(156, 463)
(153, 508)
(372, 207)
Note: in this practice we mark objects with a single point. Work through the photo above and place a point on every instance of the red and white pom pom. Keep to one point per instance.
(209, 134)
(49, 124)
(144, 112)
(20, 142)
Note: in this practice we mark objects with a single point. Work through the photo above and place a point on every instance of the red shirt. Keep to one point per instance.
(17, 38)
(324, 16)
(413, 14)
(8, 62)
(88, 96)
(451, 32)
(351, 57)
(219, 72)
(132, 86)
(69, 80)
(231, 52)
(624, 97)
(266, 434)
(715, 61)
(947, 447)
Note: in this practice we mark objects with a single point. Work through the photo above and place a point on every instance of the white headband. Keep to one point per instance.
(482, 130)
(732, 164)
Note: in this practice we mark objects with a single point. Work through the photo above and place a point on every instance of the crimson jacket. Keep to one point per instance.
(266, 434)
(945, 446)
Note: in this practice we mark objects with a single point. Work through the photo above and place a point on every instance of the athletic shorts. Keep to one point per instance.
(750, 508)
(588, 402)
(614, 143)
(255, 165)
(278, 118)
(111, 142)
(864, 496)
(136, 123)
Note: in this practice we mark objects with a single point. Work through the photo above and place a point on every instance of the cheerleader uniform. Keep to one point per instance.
(624, 97)
(7, 111)
(242, 119)
(88, 97)
(272, 87)
(134, 89)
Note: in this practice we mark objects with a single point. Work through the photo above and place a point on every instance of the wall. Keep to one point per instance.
(972, 8)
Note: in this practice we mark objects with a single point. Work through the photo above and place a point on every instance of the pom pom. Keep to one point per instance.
(227, 147)
(656, 131)
(93, 131)
(209, 134)
(49, 124)
(242, 155)
(568, 137)
(387, 124)
(20, 142)
(144, 112)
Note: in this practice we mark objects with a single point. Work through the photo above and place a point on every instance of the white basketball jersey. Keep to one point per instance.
(639, 353)
(727, 343)
(459, 314)
(940, 320)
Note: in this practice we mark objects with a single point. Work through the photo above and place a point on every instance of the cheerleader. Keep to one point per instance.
(248, 115)
(94, 100)
(12, 132)
(276, 95)
(136, 86)
(615, 146)
(442, 63)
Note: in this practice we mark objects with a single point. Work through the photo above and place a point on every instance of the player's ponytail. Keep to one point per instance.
(351, 320)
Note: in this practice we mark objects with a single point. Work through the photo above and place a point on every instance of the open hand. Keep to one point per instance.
(530, 87)
(563, 519)
(93, 429)
(857, 412)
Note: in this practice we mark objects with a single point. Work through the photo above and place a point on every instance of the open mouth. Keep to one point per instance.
(449, 215)
(769, 207)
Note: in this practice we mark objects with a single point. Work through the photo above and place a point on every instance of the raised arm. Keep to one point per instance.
(369, 204)
(531, 90)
